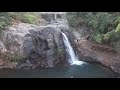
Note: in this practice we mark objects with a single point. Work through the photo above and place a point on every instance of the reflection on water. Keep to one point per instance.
(74, 71)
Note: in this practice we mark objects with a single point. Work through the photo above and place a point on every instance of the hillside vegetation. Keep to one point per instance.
(105, 26)
(8, 18)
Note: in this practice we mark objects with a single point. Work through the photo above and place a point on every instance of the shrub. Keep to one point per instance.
(47, 17)
(109, 35)
(4, 20)
(13, 57)
(78, 18)
(98, 38)
(60, 50)
(118, 28)
(103, 24)
(113, 35)
(15, 16)
(29, 18)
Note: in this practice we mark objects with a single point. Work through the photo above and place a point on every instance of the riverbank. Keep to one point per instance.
(102, 54)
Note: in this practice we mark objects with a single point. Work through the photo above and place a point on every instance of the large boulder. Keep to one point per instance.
(13, 37)
(34, 46)
(11, 43)
(45, 47)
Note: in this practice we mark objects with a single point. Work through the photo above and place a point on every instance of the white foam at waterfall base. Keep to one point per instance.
(78, 63)
(73, 59)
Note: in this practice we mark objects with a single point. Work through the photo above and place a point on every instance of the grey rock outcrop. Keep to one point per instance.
(45, 48)
(42, 46)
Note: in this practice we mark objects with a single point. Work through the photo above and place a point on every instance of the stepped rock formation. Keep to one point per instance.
(39, 46)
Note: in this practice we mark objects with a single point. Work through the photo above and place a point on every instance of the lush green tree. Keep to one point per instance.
(8, 18)
(4, 19)
(105, 25)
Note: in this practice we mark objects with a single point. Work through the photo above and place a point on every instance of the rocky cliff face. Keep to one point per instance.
(39, 46)
(46, 48)
(11, 44)
(101, 54)
(13, 37)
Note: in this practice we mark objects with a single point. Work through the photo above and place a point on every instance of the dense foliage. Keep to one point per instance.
(105, 25)
(4, 19)
(7, 18)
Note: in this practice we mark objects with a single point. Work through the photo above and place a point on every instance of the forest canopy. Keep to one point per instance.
(105, 25)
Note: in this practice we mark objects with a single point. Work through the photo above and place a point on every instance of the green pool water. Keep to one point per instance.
(73, 71)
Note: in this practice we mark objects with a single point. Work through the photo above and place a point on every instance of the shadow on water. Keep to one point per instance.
(73, 71)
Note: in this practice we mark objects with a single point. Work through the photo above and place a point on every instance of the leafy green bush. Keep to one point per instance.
(98, 38)
(15, 16)
(109, 35)
(78, 18)
(118, 28)
(72, 19)
(29, 18)
(113, 35)
(60, 50)
(100, 22)
(103, 24)
(13, 57)
(2, 23)
(4, 20)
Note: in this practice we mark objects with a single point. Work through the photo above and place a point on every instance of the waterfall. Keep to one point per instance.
(73, 60)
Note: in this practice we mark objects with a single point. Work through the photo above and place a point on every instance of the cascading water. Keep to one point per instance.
(73, 59)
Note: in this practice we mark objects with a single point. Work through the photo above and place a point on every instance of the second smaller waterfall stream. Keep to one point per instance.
(73, 60)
